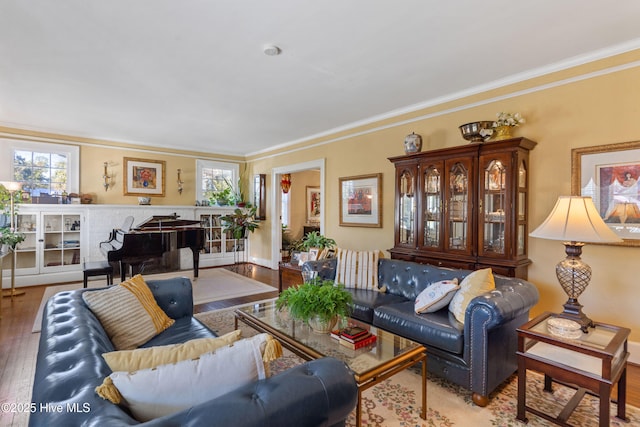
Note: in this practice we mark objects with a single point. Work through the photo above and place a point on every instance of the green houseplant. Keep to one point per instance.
(10, 238)
(240, 221)
(317, 302)
(222, 197)
(314, 239)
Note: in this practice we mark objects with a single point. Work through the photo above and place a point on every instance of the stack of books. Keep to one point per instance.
(354, 337)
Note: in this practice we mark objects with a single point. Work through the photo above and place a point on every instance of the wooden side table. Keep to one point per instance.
(290, 275)
(594, 362)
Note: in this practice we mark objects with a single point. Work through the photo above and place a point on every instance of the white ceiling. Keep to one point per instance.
(191, 74)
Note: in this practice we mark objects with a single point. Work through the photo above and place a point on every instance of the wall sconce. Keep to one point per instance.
(180, 182)
(107, 179)
(285, 182)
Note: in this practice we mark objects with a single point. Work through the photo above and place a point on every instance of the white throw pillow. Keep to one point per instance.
(166, 389)
(436, 296)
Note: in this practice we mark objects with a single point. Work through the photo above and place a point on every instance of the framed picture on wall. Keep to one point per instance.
(313, 204)
(609, 174)
(260, 196)
(360, 201)
(144, 177)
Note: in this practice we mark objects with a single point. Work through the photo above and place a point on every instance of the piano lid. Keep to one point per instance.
(166, 222)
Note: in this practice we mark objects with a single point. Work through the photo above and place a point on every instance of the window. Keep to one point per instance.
(285, 209)
(42, 168)
(215, 177)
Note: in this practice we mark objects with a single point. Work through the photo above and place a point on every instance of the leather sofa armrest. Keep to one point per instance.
(326, 268)
(510, 299)
(318, 393)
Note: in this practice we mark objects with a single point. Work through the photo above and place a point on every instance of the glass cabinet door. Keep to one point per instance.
(26, 251)
(521, 238)
(61, 238)
(494, 207)
(458, 205)
(406, 208)
(213, 232)
(432, 209)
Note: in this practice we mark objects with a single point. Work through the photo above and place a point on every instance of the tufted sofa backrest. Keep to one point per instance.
(174, 296)
(408, 279)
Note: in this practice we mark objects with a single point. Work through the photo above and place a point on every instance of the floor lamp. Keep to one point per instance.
(575, 221)
(12, 187)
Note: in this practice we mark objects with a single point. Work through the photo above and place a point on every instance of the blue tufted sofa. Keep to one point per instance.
(69, 366)
(478, 355)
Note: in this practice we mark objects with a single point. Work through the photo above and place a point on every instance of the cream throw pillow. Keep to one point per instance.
(475, 284)
(166, 389)
(145, 358)
(128, 313)
(358, 269)
(436, 296)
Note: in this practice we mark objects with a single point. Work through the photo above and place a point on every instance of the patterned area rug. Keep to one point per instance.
(396, 401)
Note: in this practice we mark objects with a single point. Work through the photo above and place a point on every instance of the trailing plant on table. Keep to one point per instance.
(314, 239)
(321, 298)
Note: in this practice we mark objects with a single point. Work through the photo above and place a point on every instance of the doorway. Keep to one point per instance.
(276, 206)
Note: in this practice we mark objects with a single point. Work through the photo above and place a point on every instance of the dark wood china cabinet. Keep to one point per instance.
(465, 206)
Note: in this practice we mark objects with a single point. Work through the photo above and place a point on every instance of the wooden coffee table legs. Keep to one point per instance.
(388, 370)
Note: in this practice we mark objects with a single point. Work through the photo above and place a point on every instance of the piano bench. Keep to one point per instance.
(98, 268)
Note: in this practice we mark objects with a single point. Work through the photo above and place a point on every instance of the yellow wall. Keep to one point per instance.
(565, 110)
(92, 159)
(573, 108)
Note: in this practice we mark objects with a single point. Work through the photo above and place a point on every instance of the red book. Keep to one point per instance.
(362, 343)
(353, 332)
(356, 339)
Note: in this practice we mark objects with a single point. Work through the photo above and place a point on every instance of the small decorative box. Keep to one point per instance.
(564, 328)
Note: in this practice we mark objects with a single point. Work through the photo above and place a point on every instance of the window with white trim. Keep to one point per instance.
(214, 177)
(284, 210)
(42, 168)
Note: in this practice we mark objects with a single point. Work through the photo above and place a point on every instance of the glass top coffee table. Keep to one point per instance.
(370, 365)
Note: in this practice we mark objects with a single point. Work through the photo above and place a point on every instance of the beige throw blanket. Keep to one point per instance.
(357, 269)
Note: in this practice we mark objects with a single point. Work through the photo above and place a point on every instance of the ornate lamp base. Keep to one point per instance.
(574, 276)
(573, 311)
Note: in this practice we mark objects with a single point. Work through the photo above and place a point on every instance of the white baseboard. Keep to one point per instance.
(260, 261)
(634, 352)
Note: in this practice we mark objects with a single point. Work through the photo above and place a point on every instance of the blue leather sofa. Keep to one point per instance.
(478, 355)
(69, 367)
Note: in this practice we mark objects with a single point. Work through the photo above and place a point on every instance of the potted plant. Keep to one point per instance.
(222, 197)
(10, 238)
(240, 221)
(314, 239)
(318, 302)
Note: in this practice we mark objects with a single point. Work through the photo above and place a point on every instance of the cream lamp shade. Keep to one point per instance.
(575, 220)
(11, 186)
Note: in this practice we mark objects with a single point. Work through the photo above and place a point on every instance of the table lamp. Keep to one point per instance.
(575, 221)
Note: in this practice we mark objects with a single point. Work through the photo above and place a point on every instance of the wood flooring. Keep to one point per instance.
(18, 346)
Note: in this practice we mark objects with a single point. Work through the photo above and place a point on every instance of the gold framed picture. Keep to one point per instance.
(144, 177)
(360, 201)
(609, 174)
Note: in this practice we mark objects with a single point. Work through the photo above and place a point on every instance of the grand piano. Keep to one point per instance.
(151, 239)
